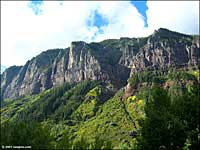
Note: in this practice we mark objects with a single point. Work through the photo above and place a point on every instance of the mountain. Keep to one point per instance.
(112, 61)
(127, 93)
(3, 68)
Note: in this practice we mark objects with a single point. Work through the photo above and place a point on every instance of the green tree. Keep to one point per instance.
(26, 134)
(161, 128)
(187, 108)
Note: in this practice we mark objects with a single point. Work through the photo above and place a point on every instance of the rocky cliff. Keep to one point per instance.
(110, 61)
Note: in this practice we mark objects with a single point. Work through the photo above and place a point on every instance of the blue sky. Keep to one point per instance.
(35, 6)
(42, 25)
(142, 8)
(99, 20)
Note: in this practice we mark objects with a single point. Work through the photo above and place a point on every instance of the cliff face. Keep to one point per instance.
(110, 61)
(167, 49)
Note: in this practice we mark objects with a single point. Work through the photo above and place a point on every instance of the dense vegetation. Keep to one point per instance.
(161, 113)
(171, 123)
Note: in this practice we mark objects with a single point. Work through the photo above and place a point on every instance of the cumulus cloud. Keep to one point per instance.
(124, 20)
(180, 16)
(25, 34)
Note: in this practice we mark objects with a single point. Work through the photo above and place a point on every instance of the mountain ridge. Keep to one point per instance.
(112, 61)
(128, 93)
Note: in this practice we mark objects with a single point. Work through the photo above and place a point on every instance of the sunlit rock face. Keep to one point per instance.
(111, 61)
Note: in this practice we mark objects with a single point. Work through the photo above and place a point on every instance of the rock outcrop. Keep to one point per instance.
(110, 61)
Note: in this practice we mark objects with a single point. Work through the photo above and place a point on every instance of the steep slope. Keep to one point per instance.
(87, 109)
(7, 77)
(166, 49)
(76, 114)
(111, 61)
(32, 78)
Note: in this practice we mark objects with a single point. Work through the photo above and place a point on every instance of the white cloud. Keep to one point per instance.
(180, 16)
(124, 20)
(24, 34)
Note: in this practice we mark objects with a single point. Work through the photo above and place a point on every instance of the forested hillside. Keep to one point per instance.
(127, 93)
(161, 112)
